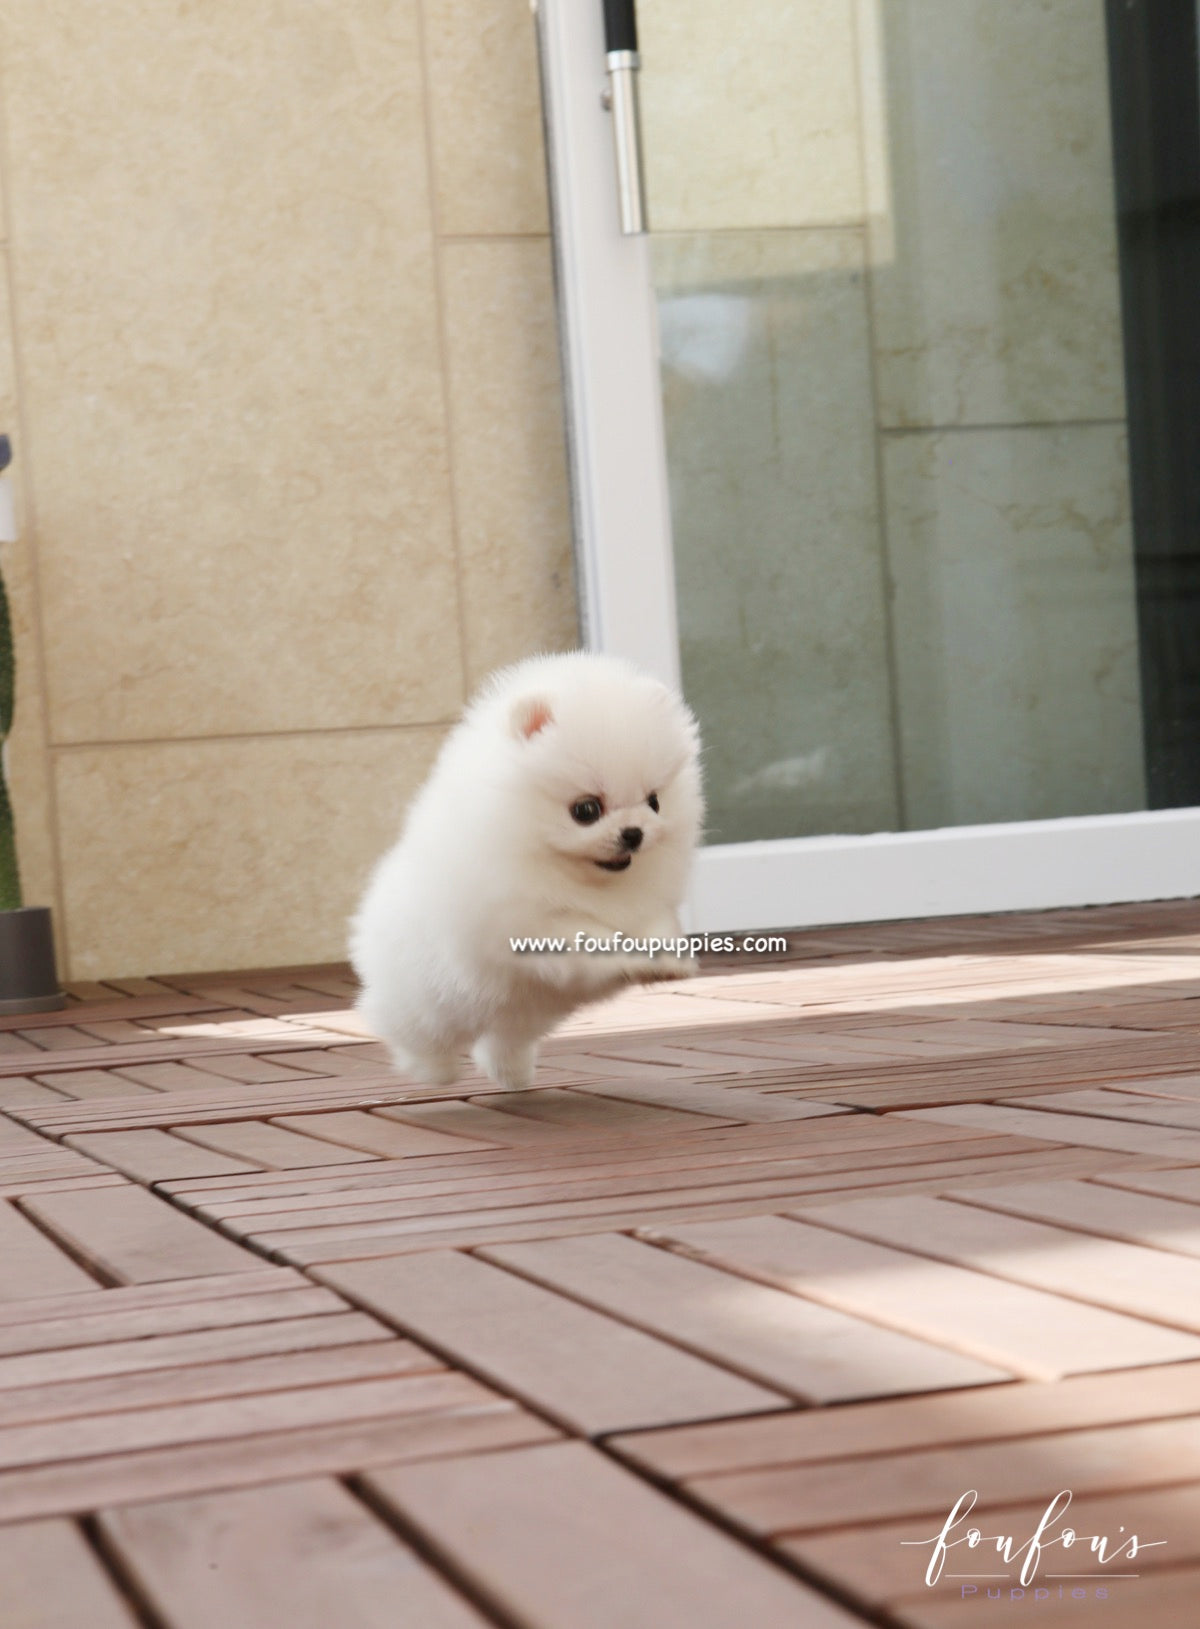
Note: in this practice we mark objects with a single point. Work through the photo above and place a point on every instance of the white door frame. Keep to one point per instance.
(617, 449)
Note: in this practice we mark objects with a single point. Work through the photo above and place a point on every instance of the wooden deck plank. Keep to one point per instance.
(530, 1191)
(795, 1346)
(23, 1091)
(1183, 1185)
(620, 1181)
(475, 1120)
(1111, 1105)
(31, 1265)
(580, 1109)
(420, 1223)
(259, 1143)
(221, 1103)
(128, 1236)
(66, 1328)
(120, 1008)
(1101, 1272)
(266, 1281)
(336, 1449)
(153, 1156)
(572, 1364)
(1027, 1331)
(561, 1536)
(1160, 1224)
(926, 1482)
(166, 1076)
(266, 1038)
(302, 1553)
(153, 1388)
(725, 1102)
(52, 1580)
(70, 1366)
(127, 1430)
(1181, 1146)
(862, 1143)
(984, 1414)
(87, 1083)
(389, 1139)
(619, 1161)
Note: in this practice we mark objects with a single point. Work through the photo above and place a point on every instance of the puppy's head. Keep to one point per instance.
(608, 763)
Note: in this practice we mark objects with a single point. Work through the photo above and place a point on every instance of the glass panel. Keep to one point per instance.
(886, 257)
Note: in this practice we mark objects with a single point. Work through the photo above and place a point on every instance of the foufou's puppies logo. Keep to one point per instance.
(1083, 1557)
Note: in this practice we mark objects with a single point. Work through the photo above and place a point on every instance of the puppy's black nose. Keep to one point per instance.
(631, 838)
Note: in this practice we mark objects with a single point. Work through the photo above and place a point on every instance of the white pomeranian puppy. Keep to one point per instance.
(565, 805)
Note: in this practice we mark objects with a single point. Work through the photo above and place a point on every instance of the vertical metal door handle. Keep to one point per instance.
(622, 62)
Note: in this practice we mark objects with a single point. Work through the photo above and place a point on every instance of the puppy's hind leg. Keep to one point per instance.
(417, 1050)
(507, 1059)
(428, 1066)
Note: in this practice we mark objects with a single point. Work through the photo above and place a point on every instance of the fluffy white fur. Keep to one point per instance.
(491, 851)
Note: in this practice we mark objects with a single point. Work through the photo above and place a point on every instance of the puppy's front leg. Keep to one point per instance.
(617, 957)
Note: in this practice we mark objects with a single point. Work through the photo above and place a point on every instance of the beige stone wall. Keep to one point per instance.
(279, 364)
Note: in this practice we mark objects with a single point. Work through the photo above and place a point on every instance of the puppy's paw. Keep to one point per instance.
(509, 1065)
(427, 1068)
(662, 969)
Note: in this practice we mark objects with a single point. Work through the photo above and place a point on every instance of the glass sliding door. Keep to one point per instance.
(925, 280)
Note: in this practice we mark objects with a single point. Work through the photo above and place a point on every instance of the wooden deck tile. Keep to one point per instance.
(260, 1143)
(53, 1323)
(327, 1438)
(18, 1091)
(390, 1139)
(808, 1351)
(688, 1239)
(64, 1368)
(1027, 1331)
(82, 1083)
(581, 1109)
(1183, 1185)
(725, 1102)
(127, 1429)
(573, 1364)
(1183, 1147)
(208, 1379)
(1100, 1272)
(129, 1237)
(477, 1121)
(927, 1482)
(302, 1553)
(984, 1414)
(121, 1008)
(1096, 1209)
(341, 1231)
(152, 1156)
(1113, 1105)
(560, 1536)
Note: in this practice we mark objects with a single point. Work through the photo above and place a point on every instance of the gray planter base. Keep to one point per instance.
(28, 981)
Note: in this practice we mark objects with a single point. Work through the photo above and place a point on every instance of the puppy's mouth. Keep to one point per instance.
(623, 864)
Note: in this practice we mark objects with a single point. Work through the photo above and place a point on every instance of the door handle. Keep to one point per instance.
(621, 98)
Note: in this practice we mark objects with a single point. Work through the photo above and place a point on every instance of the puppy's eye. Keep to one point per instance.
(587, 811)
(652, 800)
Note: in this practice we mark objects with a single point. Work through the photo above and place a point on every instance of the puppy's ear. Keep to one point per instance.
(530, 715)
